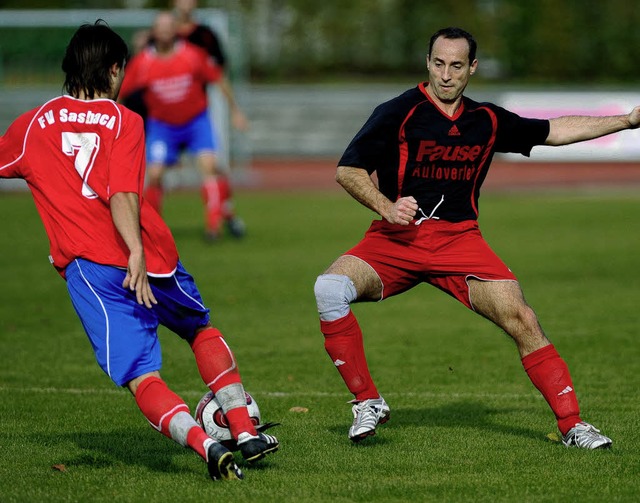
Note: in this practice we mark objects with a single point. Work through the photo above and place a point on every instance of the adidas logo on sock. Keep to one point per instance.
(568, 389)
(338, 362)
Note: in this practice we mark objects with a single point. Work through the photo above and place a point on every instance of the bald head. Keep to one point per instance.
(164, 31)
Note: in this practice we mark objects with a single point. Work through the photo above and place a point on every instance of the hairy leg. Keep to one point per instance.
(364, 278)
(503, 303)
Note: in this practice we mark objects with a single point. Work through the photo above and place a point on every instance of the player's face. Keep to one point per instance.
(164, 30)
(449, 68)
(185, 6)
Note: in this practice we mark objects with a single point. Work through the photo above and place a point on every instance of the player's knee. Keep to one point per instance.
(334, 293)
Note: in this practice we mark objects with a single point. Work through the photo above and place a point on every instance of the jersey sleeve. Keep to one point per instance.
(371, 147)
(210, 70)
(206, 38)
(127, 163)
(519, 134)
(12, 147)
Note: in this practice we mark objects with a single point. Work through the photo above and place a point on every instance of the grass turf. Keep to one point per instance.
(466, 423)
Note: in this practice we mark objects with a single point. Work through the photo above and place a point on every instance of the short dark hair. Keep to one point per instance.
(92, 51)
(453, 33)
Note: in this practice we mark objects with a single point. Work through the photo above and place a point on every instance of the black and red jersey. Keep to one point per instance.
(418, 150)
(203, 36)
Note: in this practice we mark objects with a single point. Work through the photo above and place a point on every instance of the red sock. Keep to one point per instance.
(197, 438)
(212, 197)
(550, 374)
(153, 194)
(225, 197)
(343, 342)
(218, 369)
(160, 406)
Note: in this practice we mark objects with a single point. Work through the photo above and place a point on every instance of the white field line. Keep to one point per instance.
(279, 394)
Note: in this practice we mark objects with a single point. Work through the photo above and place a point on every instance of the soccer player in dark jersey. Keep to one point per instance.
(197, 33)
(203, 36)
(82, 156)
(431, 148)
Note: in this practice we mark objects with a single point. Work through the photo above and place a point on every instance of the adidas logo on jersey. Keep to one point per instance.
(454, 131)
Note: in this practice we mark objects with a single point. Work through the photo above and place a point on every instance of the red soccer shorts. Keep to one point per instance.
(443, 254)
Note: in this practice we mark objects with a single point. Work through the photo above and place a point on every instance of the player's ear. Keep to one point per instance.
(473, 67)
(115, 69)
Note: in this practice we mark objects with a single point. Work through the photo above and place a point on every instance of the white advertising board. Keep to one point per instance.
(623, 146)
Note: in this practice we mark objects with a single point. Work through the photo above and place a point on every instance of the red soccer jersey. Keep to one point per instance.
(75, 155)
(174, 85)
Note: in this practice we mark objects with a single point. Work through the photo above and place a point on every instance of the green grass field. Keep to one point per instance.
(466, 424)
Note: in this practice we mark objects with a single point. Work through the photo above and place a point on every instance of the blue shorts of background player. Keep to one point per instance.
(122, 332)
(166, 141)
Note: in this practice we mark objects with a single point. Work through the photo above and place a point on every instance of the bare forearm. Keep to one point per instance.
(227, 91)
(576, 128)
(360, 186)
(126, 217)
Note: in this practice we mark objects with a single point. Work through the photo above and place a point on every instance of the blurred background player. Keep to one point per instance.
(199, 34)
(191, 30)
(82, 155)
(172, 75)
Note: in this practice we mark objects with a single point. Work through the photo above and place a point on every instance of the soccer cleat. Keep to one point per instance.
(236, 227)
(211, 236)
(586, 436)
(221, 463)
(254, 448)
(368, 414)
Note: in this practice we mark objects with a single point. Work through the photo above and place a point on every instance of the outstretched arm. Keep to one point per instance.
(575, 128)
(126, 217)
(238, 119)
(358, 183)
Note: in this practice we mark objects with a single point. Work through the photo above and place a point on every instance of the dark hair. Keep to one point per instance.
(92, 51)
(453, 33)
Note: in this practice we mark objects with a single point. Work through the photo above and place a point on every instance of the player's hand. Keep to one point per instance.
(239, 120)
(137, 280)
(402, 211)
(634, 118)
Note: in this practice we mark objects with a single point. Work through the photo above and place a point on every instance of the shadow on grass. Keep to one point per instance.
(460, 414)
(131, 447)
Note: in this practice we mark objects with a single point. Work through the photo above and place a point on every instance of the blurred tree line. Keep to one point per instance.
(528, 41)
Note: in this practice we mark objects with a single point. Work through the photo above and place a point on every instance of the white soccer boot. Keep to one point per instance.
(586, 436)
(368, 414)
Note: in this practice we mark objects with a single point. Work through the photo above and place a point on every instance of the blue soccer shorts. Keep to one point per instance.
(122, 332)
(166, 141)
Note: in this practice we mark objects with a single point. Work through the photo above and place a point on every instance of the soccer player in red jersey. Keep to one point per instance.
(83, 158)
(173, 75)
(431, 148)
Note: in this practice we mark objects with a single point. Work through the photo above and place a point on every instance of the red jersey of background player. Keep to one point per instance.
(174, 85)
(100, 151)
